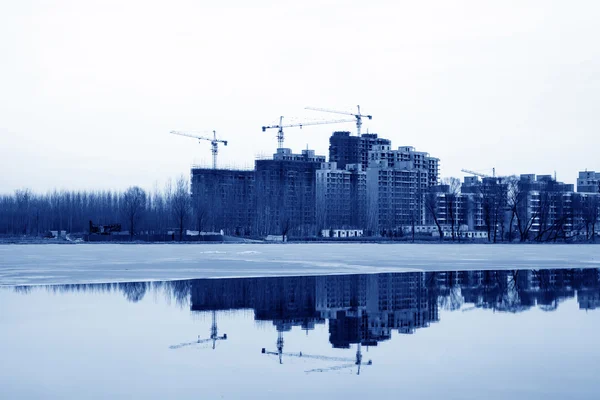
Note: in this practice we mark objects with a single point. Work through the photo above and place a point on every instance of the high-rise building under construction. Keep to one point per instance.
(397, 181)
(224, 199)
(341, 196)
(286, 193)
(347, 149)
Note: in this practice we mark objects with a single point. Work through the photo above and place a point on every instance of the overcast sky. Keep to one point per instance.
(90, 89)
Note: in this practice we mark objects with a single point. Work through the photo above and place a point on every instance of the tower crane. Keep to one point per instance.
(280, 127)
(468, 171)
(214, 336)
(358, 116)
(214, 143)
(357, 361)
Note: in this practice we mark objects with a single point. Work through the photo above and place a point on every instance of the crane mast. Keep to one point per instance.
(214, 142)
(214, 336)
(280, 127)
(358, 116)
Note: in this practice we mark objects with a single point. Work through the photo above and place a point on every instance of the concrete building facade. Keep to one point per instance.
(286, 193)
(396, 183)
(404, 158)
(223, 200)
(588, 182)
(341, 196)
(547, 205)
(347, 149)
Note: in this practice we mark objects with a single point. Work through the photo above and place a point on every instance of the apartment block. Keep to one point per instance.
(405, 157)
(588, 182)
(223, 200)
(347, 149)
(396, 183)
(341, 196)
(547, 205)
(286, 193)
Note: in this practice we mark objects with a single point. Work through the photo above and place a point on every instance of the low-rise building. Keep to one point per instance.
(341, 233)
(588, 182)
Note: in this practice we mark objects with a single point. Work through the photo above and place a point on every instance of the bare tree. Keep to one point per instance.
(200, 213)
(451, 198)
(134, 204)
(431, 206)
(591, 216)
(181, 205)
(521, 217)
(512, 186)
(494, 201)
(414, 216)
(23, 202)
(285, 226)
(586, 209)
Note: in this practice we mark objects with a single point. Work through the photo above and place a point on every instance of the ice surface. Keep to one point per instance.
(88, 263)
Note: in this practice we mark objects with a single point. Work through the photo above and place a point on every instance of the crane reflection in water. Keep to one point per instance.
(363, 310)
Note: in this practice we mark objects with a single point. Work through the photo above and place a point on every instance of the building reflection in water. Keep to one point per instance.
(363, 310)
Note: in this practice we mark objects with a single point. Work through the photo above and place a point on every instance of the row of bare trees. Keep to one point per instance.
(507, 208)
(511, 208)
(548, 213)
(137, 210)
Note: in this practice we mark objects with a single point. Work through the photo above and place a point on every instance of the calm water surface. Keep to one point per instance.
(476, 334)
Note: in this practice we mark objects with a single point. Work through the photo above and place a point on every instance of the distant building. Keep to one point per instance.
(367, 308)
(347, 149)
(586, 215)
(341, 196)
(547, 205)
(396, 183)
(405, 158)
(223, 200)
(286, 193)
(588, 299)
(483, 203)
(588, 182)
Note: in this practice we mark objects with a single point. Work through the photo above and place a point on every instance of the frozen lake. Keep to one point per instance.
(493, 334)
(85, 263)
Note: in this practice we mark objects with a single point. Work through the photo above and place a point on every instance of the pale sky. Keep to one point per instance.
(89, 90)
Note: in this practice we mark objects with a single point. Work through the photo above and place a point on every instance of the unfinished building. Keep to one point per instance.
(347, 149)
(224, 199)
(396, 183)
(286, 193)
(405, 158)
(341, 196)
(588, 182)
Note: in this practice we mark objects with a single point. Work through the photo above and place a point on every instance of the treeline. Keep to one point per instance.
(137, 210)
(510, 208)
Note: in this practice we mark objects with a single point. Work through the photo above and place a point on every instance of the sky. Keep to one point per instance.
(91, 89)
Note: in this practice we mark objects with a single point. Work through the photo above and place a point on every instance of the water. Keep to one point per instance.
(472, 334)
